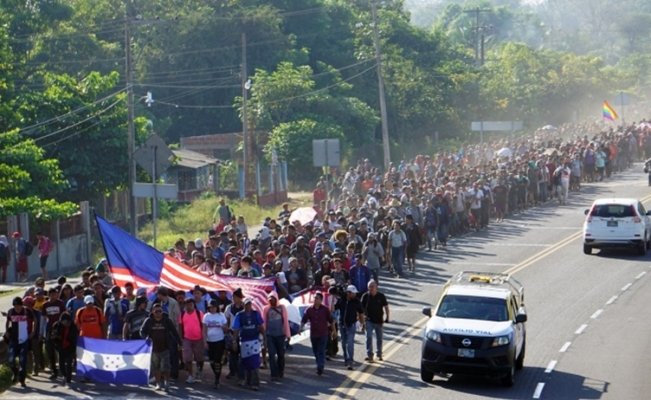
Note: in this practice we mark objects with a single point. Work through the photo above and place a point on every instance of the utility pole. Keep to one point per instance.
(478, 45)
(245, 133)
(380, 81)
(131, 131)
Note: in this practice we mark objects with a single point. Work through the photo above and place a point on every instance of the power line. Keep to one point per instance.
(272, 101)
(59, 117)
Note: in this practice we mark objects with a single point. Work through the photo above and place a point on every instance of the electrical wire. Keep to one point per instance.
(273, 101)
(75, 111)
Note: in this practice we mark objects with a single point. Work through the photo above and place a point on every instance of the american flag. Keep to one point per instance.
(131, 260)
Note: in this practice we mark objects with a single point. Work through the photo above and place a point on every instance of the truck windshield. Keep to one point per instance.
(473, 307)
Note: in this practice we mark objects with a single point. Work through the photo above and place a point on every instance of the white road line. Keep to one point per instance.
(581, 329)
(597, 314)
(475, 264)
(626, 287)
(518, 244)
(550, 366)
(565, 347)
(611, 300)
(640, 275)
(539, 388)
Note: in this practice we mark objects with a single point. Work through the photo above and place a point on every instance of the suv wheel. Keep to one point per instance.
(587, 249)
(519, 362)
(508, 380)
(426, 375)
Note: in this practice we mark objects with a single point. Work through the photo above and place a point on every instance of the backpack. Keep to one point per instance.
(196, 311)
(3, 252)
(29, 248)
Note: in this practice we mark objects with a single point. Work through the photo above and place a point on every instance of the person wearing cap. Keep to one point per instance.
(90, 320)
(214, 328)
(63, 336)
(247, 328)
(39, 299)
(20, 255)
(52, 310)
(350, 311)
(276, 326)
(19, 330)
(163, 335)
(134, 319)
(115, 308)
(99, 294)
(191, 332)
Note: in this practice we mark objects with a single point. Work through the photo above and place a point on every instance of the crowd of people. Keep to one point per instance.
(369, 226)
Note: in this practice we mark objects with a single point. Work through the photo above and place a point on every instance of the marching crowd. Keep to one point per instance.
(368, 224)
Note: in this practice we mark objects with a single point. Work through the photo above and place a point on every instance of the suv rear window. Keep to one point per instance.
(613, 211)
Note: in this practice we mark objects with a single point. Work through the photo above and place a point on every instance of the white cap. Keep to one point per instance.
(198, 243)
(89, 300)
(351, 289)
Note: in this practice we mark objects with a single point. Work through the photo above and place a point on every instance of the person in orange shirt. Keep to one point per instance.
(90, 320)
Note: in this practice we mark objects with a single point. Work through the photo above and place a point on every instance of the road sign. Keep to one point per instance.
(496, 126)
(163, 191)
(154, 156)
(325, 152)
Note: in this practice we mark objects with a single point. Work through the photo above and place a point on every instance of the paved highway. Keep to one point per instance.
(587, 334)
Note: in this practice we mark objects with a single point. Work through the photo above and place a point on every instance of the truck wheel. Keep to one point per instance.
(426, 375)
(519, 362)
(508, 380)
(587, 249)
(641, 248)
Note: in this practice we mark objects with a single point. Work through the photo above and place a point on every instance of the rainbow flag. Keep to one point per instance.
(608, 112)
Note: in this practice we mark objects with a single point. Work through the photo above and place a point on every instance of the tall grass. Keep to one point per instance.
(193, 220)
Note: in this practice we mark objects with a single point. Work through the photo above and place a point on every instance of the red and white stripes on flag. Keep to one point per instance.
(178, 276)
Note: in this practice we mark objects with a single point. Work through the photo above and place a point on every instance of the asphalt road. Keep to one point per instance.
(587, 334)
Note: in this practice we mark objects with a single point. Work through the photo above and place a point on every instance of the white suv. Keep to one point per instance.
(616, 223)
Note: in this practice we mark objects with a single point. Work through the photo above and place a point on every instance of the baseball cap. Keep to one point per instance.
(351, 289)
(89, 300)
(248, 300)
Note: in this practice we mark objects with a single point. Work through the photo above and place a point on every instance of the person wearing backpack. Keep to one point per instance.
(5, 257)
(214, 328)
(191, 328)
(22, 250)
(115, 309)
(276, 326)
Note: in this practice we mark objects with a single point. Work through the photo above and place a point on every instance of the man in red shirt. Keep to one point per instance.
(321, 325)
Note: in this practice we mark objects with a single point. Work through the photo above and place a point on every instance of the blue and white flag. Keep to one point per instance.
(114, 361)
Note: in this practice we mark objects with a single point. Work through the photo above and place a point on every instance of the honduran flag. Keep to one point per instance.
(114, 361)
(609, 112)
(131, 260)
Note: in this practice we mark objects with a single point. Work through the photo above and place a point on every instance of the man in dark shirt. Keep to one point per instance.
(376, 309)
(321, 325)
(135, 319)
(161, 331)
(350, 311)
(52, 309)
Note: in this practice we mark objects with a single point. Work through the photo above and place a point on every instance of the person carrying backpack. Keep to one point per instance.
(19, 330)
(23, 250)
